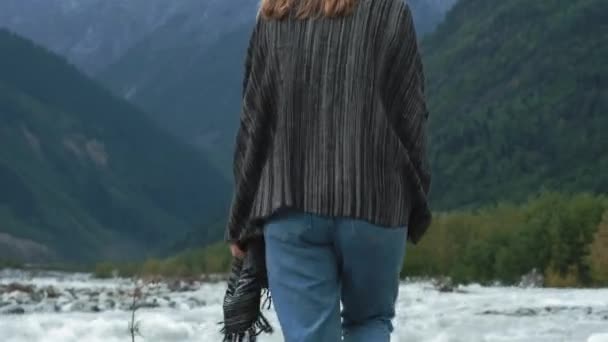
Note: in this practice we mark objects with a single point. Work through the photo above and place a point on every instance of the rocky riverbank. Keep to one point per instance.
(75, 307)
(61, 292)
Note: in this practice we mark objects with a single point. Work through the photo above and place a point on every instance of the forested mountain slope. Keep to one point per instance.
(518, 99)
(85, 175)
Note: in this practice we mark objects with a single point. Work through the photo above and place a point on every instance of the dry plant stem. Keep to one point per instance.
(133, 324)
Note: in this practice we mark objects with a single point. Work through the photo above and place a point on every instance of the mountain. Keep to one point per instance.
(95, 33)
(90, 33)
(193, 91)
(85, 175)
(190, 82)
(518, 96)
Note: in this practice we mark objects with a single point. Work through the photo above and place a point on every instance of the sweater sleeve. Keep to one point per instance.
(253, 136)
(406, 106)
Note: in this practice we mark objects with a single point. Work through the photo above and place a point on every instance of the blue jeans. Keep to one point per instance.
(314, 262)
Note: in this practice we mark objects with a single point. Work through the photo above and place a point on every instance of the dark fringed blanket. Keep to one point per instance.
(248, 283)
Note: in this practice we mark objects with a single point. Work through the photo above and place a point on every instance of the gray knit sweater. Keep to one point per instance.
(333, 121)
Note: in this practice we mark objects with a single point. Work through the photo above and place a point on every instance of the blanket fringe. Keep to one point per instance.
(267, 303)
(260, 326)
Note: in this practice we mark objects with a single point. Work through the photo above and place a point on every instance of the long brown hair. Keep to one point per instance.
(279, 9)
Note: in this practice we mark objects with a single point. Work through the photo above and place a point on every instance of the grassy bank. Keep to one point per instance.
(10, 264)
(191, 263)
(564, 236)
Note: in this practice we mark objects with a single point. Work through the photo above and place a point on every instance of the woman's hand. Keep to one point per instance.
(236, 251)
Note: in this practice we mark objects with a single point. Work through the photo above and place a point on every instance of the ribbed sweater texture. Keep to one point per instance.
(333, 122)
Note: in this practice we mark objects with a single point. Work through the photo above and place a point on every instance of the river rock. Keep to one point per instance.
(525, 312)
(77, 306)
(194, 302)
(532, 279)
(18, 297)
(37, 296)
(52, 292)
(149, 304)
(12, 310)
(174, 285)
(444, 284)
(182, 285)
(16, 287)
(109, 304)
(71, 293)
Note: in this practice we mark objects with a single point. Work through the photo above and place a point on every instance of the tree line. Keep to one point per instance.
(564, 236)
